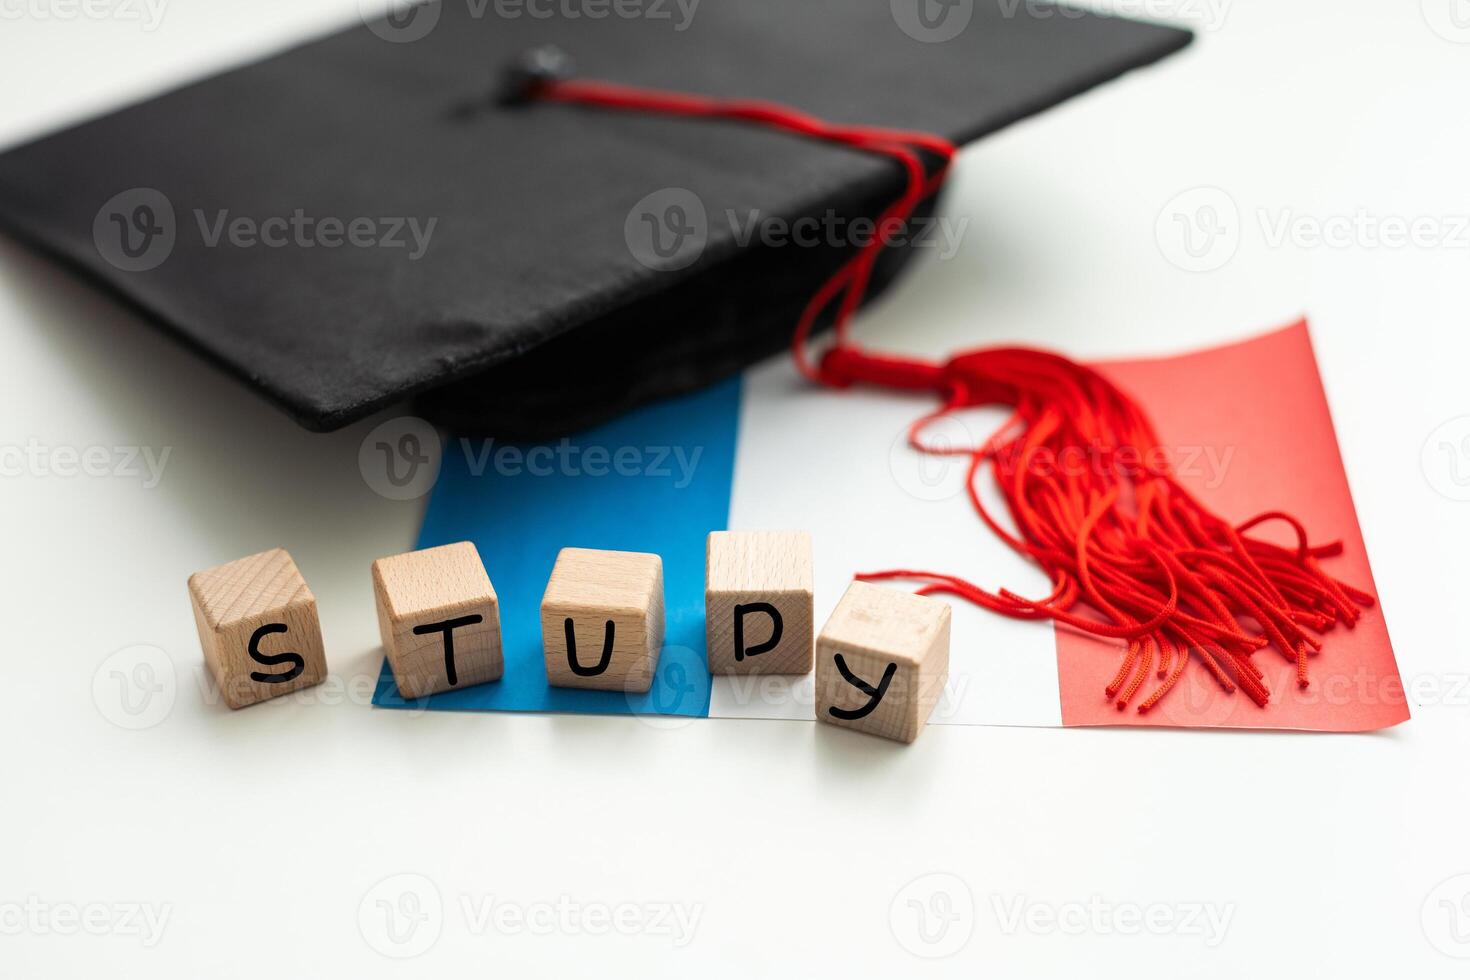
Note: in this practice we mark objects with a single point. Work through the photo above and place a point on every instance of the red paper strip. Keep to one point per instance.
(1249, 423)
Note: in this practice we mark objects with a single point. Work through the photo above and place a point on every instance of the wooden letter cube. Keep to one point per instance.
(602, 619)
(258, 626)
(758, 602)
(439, 619)
(882, 661)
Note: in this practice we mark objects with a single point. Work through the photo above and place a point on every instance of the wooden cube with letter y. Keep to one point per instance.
(258, 626)
(602, 619)
(882, 661)
(439, 619)
(758, 602)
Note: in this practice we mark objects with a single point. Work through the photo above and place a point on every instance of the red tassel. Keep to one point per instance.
(1131, 553)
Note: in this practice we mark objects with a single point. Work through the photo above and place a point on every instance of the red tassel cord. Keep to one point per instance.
(1132, 555)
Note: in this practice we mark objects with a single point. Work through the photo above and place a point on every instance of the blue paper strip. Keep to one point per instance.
(655, 480)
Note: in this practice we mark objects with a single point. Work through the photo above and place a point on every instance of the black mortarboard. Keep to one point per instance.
(368, 217)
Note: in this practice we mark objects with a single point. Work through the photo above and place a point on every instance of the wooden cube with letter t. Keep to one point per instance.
(602, 619)
(882, 661)
(439, 619)
(758, 602)
(258, 626)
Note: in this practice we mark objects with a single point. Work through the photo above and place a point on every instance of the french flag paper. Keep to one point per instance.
(1247, 424)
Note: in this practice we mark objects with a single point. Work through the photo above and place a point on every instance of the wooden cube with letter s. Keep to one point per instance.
(258, 626)
(882, 661)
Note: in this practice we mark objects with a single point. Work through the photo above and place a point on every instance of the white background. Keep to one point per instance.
(264, 832)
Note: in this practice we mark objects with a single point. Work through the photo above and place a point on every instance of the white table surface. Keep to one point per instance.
(259, 836)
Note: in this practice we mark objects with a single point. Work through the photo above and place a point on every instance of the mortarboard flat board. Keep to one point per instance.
(357, 220)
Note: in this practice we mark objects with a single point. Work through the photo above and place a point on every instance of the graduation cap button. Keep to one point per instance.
(534, 68)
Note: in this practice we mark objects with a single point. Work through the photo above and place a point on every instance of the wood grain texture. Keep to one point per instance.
(592, 589)
(877, 631)
(263, 593)
(743, 570)
(415, 591)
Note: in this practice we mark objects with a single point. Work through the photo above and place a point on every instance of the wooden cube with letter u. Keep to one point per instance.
(882, 661)
(602, 619)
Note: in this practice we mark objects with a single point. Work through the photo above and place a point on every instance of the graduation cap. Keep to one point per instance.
(367, 217)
